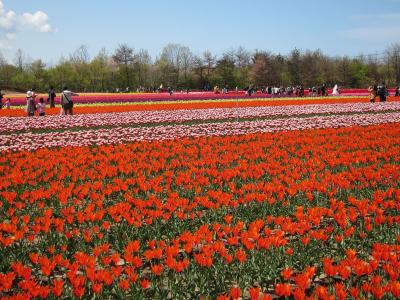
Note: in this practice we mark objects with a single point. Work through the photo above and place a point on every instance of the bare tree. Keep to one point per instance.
(171, 55)
(186, 61)
(259, 70)
(142, 62)
(343, 69)
(2, 60)
(373, 69)
(124, 57)
(19, 60)
(393, 61)
(242, 57)
(179, 58)
(209, 60)
(199, 67)
(266, 69)
(80, 55)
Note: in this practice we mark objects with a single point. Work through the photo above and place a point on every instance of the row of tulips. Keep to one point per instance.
(93, 166)
(118, 135)
(297, 213)
(179, 116)
(189, 104)
(145, 97)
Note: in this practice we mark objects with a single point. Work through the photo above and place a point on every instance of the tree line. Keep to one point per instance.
(177, 67)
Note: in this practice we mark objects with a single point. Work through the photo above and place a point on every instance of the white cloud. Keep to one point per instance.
(8, 19)
(11, 36)
(386, 17)
(11, 24)
(38, 21)
(374, 33)
(378, 27)
(6, 40)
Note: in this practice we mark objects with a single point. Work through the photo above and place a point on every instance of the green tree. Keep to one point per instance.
(294, 67)
(226, 71)
(358, 74)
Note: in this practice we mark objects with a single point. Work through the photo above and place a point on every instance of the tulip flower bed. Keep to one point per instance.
(190, 104)
(294, 201)
(177, 96)
(118, 135)
(111, 107)
(180, 116)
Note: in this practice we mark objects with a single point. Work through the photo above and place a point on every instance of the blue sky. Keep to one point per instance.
(50, 29)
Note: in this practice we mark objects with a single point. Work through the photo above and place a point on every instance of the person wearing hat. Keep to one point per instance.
(30, 102)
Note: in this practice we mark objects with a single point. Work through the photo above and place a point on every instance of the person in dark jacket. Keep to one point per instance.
(52, 97)
(1, 100)
(382, 92)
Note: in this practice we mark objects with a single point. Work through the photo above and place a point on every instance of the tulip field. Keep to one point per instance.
(95, 98)
(213, 199)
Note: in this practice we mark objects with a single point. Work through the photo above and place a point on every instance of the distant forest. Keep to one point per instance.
(177, 67)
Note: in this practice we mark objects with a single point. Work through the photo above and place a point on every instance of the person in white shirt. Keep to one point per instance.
(335, 91)
(66, 101)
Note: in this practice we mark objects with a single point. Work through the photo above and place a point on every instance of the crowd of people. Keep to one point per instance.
(380, 91)
(275, 91)
(297, 91)
(33, 107)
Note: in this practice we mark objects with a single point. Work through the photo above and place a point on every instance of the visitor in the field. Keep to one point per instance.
(250, 91)
(301, 91)
(1, 99)
(323, 90)
(314, 91)
(66, 101)
(373, 90)
(382, 92)
(8, 103)
(52, 97)
(30, 103)
(397, 91)
(41, 107)
(335, 91)
(290, 91)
